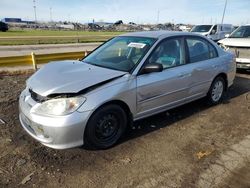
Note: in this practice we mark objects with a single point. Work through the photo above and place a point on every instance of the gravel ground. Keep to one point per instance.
(191, 146)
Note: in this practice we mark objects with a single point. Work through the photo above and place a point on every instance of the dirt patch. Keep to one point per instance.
(160, 152)
(13, 71)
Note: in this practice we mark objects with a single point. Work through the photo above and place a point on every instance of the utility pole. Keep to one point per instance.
(158, 16)
(34, 6)
(69, 17)
(224, 12)
(50, 14)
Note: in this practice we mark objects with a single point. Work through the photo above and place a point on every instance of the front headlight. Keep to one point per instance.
(59, 107)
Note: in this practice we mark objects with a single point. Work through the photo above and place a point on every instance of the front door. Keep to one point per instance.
(158, 91)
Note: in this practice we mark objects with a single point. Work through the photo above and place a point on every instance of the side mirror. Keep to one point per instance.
(152, 67)
(227, 35)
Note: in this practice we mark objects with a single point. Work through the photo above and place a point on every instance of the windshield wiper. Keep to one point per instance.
(97, 65)
(86, 62)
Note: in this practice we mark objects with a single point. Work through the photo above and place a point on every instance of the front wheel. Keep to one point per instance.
(105, 127)
(217, 91)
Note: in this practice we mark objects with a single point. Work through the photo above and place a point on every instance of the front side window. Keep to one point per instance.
(120, 53)
(241, 32)
(214, 30)
(200, 50)
(201, 28)
(169, 53)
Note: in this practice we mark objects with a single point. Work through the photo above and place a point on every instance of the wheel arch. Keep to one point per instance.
(224, 76)
(121, 104)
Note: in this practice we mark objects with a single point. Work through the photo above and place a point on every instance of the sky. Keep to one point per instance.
(138, 11)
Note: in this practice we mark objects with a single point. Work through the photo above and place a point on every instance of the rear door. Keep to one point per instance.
(203, 61)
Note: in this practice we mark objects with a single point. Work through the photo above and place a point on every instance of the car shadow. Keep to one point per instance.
(145, 126)
(243, 71)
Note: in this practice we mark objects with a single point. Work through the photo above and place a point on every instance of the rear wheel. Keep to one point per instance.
(217, 91)
(105, 127)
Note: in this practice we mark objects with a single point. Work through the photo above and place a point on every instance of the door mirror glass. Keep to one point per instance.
(152, 67)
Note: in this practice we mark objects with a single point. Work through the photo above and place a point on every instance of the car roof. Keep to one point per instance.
(159, 34)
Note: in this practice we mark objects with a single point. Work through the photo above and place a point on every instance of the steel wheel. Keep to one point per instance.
(105, 127)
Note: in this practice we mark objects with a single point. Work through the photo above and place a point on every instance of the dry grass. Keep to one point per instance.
(16, 72)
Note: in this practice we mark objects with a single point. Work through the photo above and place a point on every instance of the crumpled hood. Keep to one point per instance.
(68, 77)
(237, 42)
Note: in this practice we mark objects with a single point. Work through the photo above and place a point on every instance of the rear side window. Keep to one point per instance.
(200, 50)
(212, 51)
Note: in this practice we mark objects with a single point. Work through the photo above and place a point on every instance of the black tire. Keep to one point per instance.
(211, 96)
(105, 127)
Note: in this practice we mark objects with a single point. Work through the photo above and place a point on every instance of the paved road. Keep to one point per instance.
(45, 48)
(46, 36)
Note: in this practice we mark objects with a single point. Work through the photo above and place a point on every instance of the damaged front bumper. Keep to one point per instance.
(58, 132)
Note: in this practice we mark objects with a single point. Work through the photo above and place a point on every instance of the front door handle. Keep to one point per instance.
(183, 75)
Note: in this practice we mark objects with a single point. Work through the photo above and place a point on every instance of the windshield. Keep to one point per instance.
(120, 53)
(241, 32)
(201, 28)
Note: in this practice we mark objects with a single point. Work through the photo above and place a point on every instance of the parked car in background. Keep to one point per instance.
(215, 32)
(3, 27)
(119, 22)
(130, 77)
(239, 43)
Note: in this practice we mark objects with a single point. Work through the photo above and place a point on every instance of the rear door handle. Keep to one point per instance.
(199, 69)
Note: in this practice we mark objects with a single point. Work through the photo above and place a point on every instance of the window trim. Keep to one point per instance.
(208, 43)
(181, 38)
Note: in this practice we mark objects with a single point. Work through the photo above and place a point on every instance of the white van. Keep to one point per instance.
(215, 32)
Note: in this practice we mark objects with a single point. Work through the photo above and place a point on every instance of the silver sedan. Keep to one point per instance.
(70, 103)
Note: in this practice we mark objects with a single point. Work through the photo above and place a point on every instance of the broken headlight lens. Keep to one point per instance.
(59, 107)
